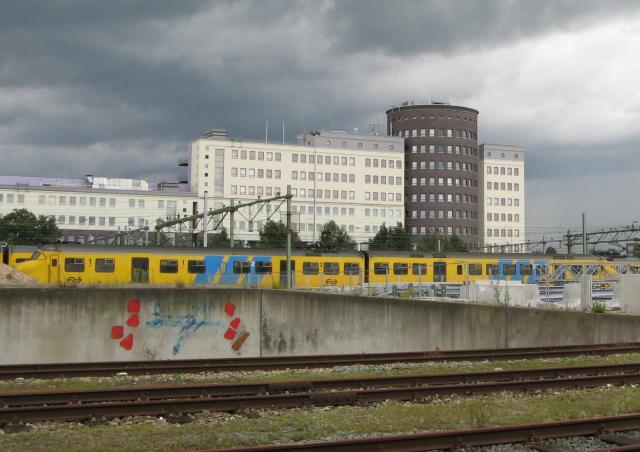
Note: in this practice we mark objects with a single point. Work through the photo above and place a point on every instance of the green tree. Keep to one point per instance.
(22, 227)
(551, 251)
(395, 238)
(428, 242)
(332, 237)
(453, 243)
(274, 235)
(220, 239)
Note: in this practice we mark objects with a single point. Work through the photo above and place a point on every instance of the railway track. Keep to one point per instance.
(67, 370)
(609, 430)
(181, 399)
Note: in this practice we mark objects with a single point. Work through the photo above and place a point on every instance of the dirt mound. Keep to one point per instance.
(12, 277)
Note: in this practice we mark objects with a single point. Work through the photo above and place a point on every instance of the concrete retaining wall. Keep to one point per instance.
(91, 324)
(75, 325)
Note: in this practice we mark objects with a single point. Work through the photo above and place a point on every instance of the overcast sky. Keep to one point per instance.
(119, 87)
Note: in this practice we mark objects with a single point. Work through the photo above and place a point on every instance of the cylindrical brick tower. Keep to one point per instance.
(441, 168)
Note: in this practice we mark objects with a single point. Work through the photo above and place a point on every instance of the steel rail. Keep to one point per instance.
(530, 434)
(64, 370)
(314, 385)
(294, 400)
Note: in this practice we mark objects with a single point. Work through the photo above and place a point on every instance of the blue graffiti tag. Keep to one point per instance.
(188, 324)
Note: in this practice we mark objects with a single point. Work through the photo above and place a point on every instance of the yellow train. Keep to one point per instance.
(82, 264)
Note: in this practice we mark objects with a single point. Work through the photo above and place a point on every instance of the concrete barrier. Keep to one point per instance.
(104, 324)
(626, 291)
(500, 293)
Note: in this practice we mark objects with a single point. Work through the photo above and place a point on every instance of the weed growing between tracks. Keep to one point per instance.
(281, 426)
(353, 371)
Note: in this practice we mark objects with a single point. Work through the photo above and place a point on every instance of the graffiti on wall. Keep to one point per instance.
(235, 331)
(186, 326)
(133, 321)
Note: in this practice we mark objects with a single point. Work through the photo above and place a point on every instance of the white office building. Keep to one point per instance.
(95, 209)
(355, 180)
(502, 224)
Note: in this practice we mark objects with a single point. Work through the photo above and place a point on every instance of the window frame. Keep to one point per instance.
(104, 265)
(332, 267)
(400, 268)
(310, 268)
(349, 266)
(166, 266)
(196, 266)
(69, 262)
(381, 268)
(241, 267)
(419, 268)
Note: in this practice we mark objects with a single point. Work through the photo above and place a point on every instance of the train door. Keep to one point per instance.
(54, 270)
(440, 271)
(5, 254)
(283, 273)
(140, 270)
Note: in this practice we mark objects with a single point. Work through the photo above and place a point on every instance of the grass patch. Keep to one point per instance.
(264, 427)
(305, 374)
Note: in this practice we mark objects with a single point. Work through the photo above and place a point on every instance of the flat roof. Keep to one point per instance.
(431, 107)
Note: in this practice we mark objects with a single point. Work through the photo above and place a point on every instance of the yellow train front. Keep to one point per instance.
(81, 264)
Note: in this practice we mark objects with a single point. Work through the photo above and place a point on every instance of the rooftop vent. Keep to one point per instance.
(215, 133)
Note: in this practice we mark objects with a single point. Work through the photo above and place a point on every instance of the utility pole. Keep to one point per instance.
(314, 134)
(584, 234)
(205, 219)
(231, 223)
(568, 241)
(289, 281)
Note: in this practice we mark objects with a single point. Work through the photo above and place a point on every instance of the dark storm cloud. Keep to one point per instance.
(119, 87)
(401, 27)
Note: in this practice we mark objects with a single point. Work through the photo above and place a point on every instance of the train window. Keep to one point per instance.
(419, 269)
(381, 268)
(351, 268)
(168, 266)
(492, 269)
(222, 268)
(459, 269)
(263, 267)
(509, 269)
(105, 265)
(400, 268)
(35, 255)
(54, 262)
(21, 259)
(475, 269)
(525, 269)
(196, 266)
(241, 267)
(310, 268)
(74, 264)
(331, 268)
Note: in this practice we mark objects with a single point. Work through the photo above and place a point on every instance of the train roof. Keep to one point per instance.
(102, 249)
